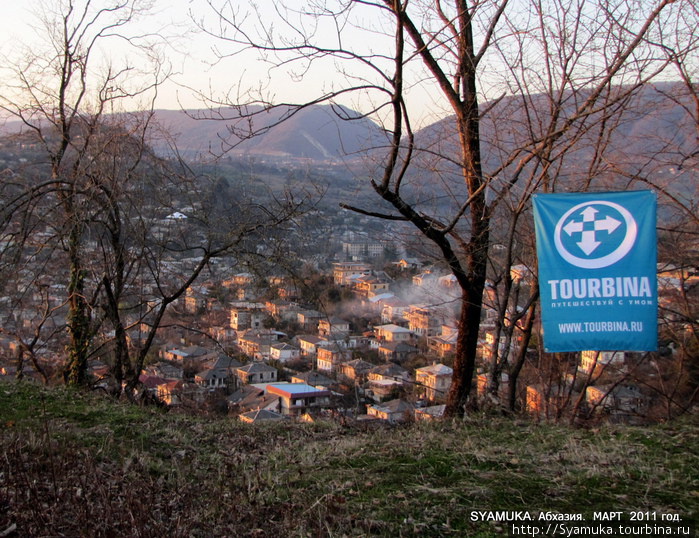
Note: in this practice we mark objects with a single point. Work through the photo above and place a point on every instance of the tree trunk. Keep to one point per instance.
(522, 356)
(78, 316)
(466, 349)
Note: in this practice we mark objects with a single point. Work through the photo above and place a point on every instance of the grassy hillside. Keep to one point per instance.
(78, 464)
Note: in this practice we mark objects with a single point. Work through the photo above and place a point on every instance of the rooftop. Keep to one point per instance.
(291, 390)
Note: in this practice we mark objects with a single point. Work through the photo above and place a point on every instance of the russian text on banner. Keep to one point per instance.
(597, 270)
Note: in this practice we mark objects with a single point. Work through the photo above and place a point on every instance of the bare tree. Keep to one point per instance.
(560, 72)
(61, 99)
(94, 203)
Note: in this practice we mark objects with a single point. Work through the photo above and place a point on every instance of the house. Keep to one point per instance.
(487, 345)
(299, 398)
(521, 273)
(546, 402)
(310, 344)
(344, 271)
(392, 333)
(175, 392)
(282, 310)
(503, 386)
(218, 373)
(362, 248)
(433, 381)
(260, 415)
(186, 354)
(196, 298)
(354, 341)
(397, 351)
(408, 263)
(329, 358)
(355, 370)
(444, 344)
(164, 370)
(424, 320)
(390, 370)
(394, 412)
(386, 381)
(433, 412)
(381, 390)
(308, 319)
(284, 352)
(313, 378)
(618, 400)
(251, 398)
(424, 279)
(599, 361)
(257, 344)
(151, 383)
(246, 315)
(212, 379)
(333, 327)
(370, 286)
(393, 310)
(255, 372)
(240, 279)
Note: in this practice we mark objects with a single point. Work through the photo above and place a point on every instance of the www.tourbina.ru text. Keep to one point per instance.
(601, 327)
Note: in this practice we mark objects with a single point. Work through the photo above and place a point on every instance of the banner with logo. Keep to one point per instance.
(597, 270)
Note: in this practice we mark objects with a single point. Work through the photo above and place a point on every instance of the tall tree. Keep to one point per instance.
(582, 59)
(61, 99)
(93, 207)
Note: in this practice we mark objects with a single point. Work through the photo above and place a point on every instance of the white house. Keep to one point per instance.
(284, 352)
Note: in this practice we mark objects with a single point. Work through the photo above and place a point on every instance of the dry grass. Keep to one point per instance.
(80, 465)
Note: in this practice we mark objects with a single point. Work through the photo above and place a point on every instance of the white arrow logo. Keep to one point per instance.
(593, 233)
(588, 242)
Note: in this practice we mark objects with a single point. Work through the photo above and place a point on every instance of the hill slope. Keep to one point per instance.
(79, 464)
(315, 133)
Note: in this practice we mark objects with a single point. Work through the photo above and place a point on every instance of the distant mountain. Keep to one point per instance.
(655, 138)
(317, 133)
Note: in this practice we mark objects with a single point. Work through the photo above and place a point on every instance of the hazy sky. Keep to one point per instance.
(192, 59)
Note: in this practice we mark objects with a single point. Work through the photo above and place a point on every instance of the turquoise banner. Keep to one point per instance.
(597, 258)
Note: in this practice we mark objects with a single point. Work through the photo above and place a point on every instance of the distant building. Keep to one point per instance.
(257, 344)
(355, 370)
(284, 352)
(547, 402)
(260, 415)
(299, 398)
(255, 372)
(308, 319)
(247, 315)
(600, 360)
(393, 310)
(334, 327)
(394, 412)
(343, 271)
(362, 248)
(218, 373)
(433, 382)
(397, 351)
(444, 344)
(370, 286)
(309, 344)
(620, 401)
(187, 353)
(432, 412)
(392, 333)
(313, 378)
(329, 358)
(424, 320)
